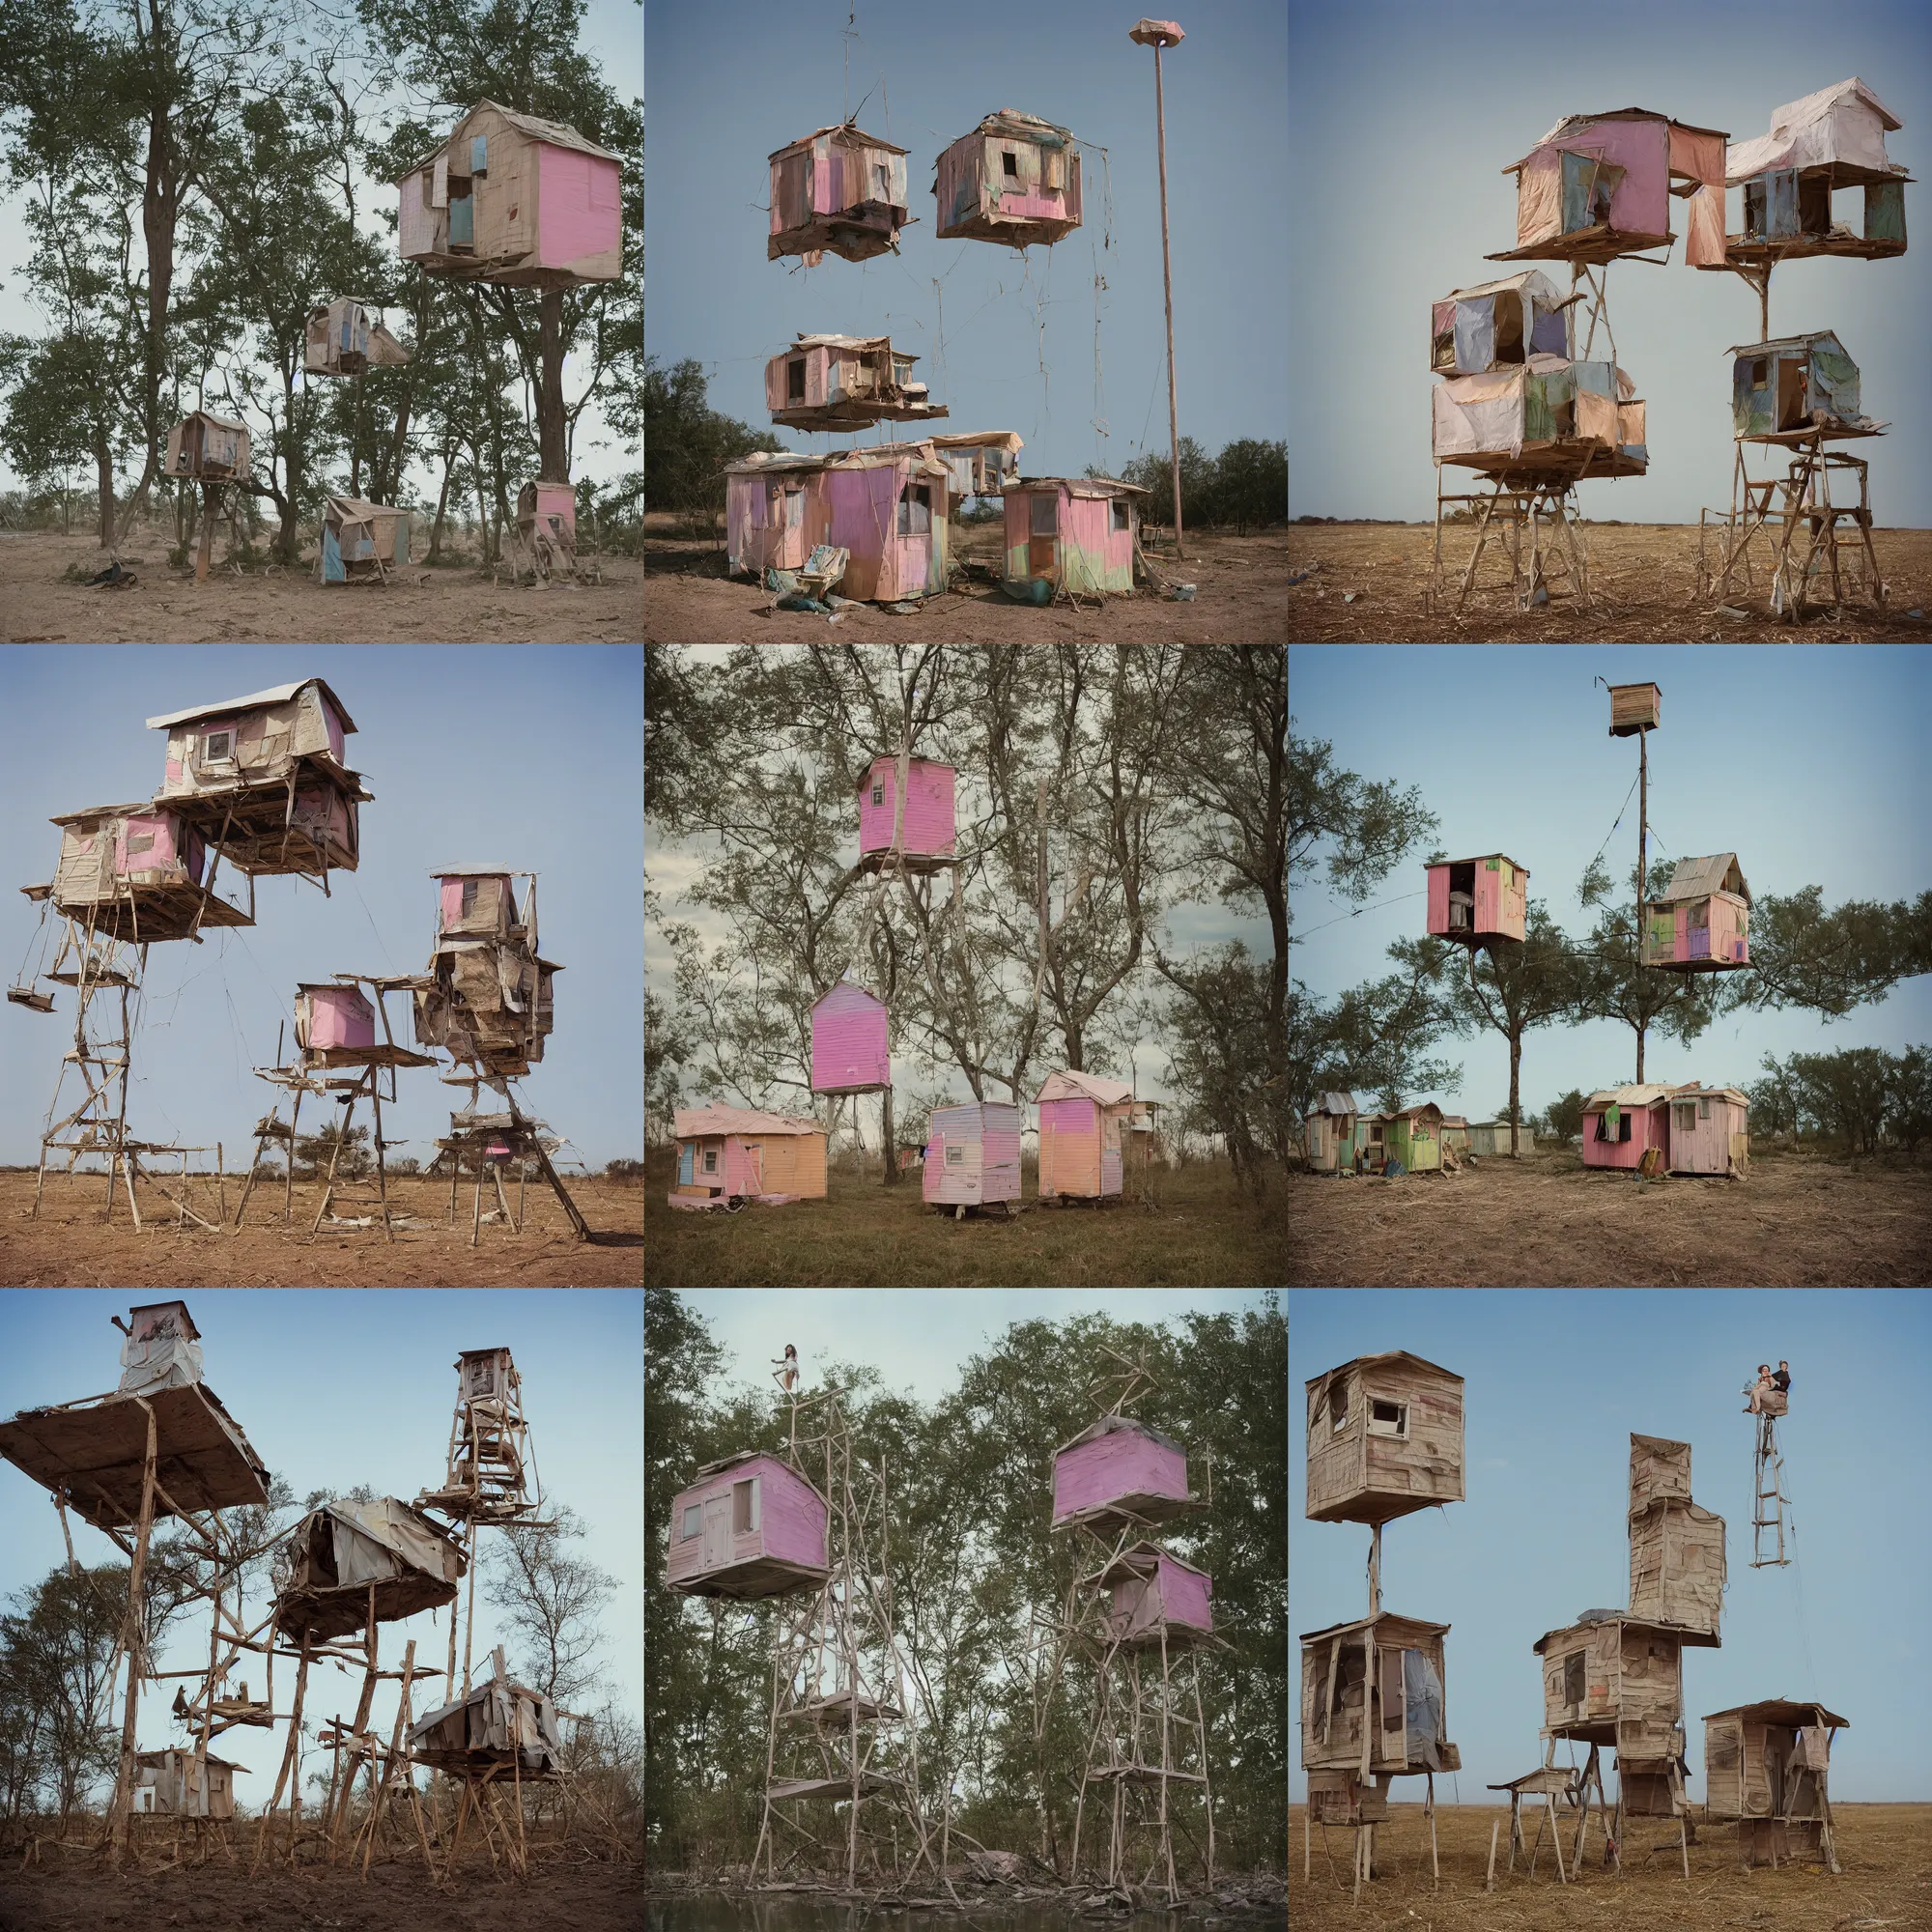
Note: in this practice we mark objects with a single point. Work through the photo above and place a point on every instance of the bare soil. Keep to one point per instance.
(1238, 598)
(1642, 576)
(1884, 1855)
(72, 1245)
(448, 605)
(1798, 1221)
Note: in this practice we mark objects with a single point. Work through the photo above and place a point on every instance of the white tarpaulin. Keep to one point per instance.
(1844, 123)
(369, 1538)
(1479, 416)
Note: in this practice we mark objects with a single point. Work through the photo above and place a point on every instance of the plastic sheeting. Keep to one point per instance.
(369, 1538)
(1479, 416)
(1422, 1695)
(1475, 333)
(167, 1361)
(1844, 123)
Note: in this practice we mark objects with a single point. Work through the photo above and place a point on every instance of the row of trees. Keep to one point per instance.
(195, 177)
(1116, 785)
(1382, 1035)
(972, 1559)
(1244, 489)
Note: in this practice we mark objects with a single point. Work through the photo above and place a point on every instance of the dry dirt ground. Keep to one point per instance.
(1642, 575)
(397, 1898)
(1798, 1221)
(446, 605)
(71, 1245)
(1885, 1852)
(1239, 599)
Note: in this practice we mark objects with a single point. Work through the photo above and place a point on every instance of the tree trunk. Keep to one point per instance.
(891, 1145)
(1639, 1055)
(159, 207)
(441, 503)
(291, 496)
(552, 431)
(1516, 1064)
(104, 464)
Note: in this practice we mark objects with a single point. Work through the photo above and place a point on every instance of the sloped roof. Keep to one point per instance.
(1069, 1086)
(555, 132)
(701, 1123)
(1112, 1423)
(1801, 135)
(1481, 856)
(1646, 1095)
(1024, 127)
(1782, 1710)
(850, 128)
(1080, 486)
(1335, 1103)
(221, 422)
(356, 510)
(144, 809)
(1547, 292)
(280, 694)
(1390, 1356)
(1575, 124)
(851, 985)
(1785, 342)
(1697, 878)
(851, 342)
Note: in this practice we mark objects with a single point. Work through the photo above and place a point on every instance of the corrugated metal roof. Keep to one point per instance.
(1335, 1103)
(703, 1122)
(1648, 1094)
(850, 128)
(1698, 878)
(1079, 486)
(280, 694)
(1069, 1086)
(1783, 1710)
(1784, 342)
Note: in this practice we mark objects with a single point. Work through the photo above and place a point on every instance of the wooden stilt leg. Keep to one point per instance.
(1434, 1875)
(1482, 538)
(1555, 1836)
(121, 1826)
(1307, 1827)
(476, 1213)
(1490, 1882)
(382, 1167)
(289, 1179)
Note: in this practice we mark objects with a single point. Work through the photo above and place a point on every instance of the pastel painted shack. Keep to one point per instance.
(1710, 1131)
(1118, 1472)
(1082, 1117)
(134, 872)
(926, 830)
(333, 1016)
(1489, 1137)
(362, 542)
(838, 190)
(339, 339)
(1074, 533)
(212, 447)
(885, 506)
(1621, 1124)
(980, 462)
(1328, 1135)
(1015, 179)
(730, 1153)
(1415, 1137)
(1700, 922)
(1384, 1438)
(844, 381)
(1374, 1695)
(513, 200)
(750, 1527)
(849, 1046)
(1617, 1679)
(1831, 139)
(547, 512)
(973, 1156)
(1600, 185)
(1155, 1597)
(1474, 901)
(176, 1784)
(1794, 388)
(1582, 419)
(1497, 325)
(1769, 1767)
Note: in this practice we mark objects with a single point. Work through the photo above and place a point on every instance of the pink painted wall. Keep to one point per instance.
(989, 1134)
(1649, 1128)
(1726, 937)
(929, 827)
(1069, 1147)
(1438, 898)
(864, 505)
(332, 722)
(340, 1016)
(791, 1519)
(848, 1040)
(1498, 909)
(1641, 204)
(1705, 1145)
(323, 812)
(1122, 1463)
(1183, 1594)
(163, 827)
(577, 212)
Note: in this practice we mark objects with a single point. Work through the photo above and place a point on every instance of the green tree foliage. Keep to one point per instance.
(1802, 955)
(1245, 488)
(1862, 1098)
(1362, 828)
(1378, 1035)
(550, 1599)
(686, 443)
(1565, 1115)
(357, 1161)
(1613, 985)
(57, 1735)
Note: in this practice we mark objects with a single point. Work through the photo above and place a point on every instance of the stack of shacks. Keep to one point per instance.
(1384, 1439)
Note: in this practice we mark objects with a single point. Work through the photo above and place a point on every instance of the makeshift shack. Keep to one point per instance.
(178, 1784)
(138, 872)
(360, 542)
(1415, 1137)
(1498, 325)
(341, 340)
(838, 190)
(1710, 1131)
(343, 1558)
(1373, 1705)
(1621, 1124)
(1015, 179)
(1600, 185)
(972, 1156)
(979, 463)
(1769, 1767)
(489, 997)
(750, 1527)
(1328, 1136)
(1118, 1472)
(885, 506)
(501, 1727)
(1676, 1549)
(1615, 1678)
(1492, 1137)
(547, 516)
(1795, 387)
(844, 381)
(513, 200)
(1384, 1438)
(1082, 1117)
(731, 1154)
(333, 1016)
(1635, 708)
(1072, 533)
(163, 1349)
(849, 1047)
(1456, 1133)
(1831, 139)
(1475, 901)
(1547, 416)
(1155, 1598)
(212, 447)
(925, 827)
(1700, 922)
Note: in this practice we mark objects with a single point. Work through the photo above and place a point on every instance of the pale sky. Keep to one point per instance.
(386, 1359)
(1557, 1381)
(1400, 125)
(1513, 753)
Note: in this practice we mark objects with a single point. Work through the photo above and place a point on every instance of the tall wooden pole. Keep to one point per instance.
(1157, 35)
(121, 1825)
(1643, 826)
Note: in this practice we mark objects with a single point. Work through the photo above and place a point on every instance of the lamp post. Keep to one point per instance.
(1158, 34)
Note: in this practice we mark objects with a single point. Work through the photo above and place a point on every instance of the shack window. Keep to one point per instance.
(881, 180)
(140, 841)
(1053, 171)
(1375, 1130)
(1009, 165)
(1045, 514)
(1573, 1678)
(879, 794)
(916, 510)
(468, 902)
(1759, 370)
(711, 1160)
(1119, 513)
(956, 1156)
(745, 1506)
(1388, 1418)
(1338, 1405)
(795, 379)
(1687, 1117)
(1703, 1110)
(217, 746)
(479, 154)
(794, 508)
(694, 1517)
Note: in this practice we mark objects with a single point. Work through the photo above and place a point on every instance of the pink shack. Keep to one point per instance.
(735, 1154)
(750, 1527)
(1476, 901)
(1700, 922)
(333, 1016)
(885, 506)
(1710, 1131)
(1015, 179)
(1155, 1597)
(926, 828)
(1118, 1472)
(849, 1051)
(973, 1156)
(137, 872)
(1622, 1123)
(1082, 1117)
(838, 188)
(1074, 533)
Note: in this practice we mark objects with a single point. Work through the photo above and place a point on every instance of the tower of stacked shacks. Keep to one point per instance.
(1384, 1439)
(1525, 407)
(1796, 394)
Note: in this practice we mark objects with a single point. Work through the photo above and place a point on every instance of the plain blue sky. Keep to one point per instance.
(528, 757)
(1400, 122)
(1776, 752)
(387, 1359)
(731, 81)
(1555, 1383)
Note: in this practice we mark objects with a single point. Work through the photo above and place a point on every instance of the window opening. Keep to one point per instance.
(1119, 513)
(1045, 514)
(1009, 165)
(1759, 368)
(745, 1506)
(711, 1160)
(1388, 1418)
(470, 896)
(1573, 1678)
(1703, 1110)
(693, 1516)
(217, 746)
(878, 794)
(915, 510)
(795, 379)
(880, 180)
(794, 508)
(956, 1156)
(1338, 1405)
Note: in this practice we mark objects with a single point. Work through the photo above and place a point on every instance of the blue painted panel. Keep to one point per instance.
(1549, 337)
(684, 1163)
(1780, 214)
(462, 221)
(333, 570)
(1475, 335)
(479, 152)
